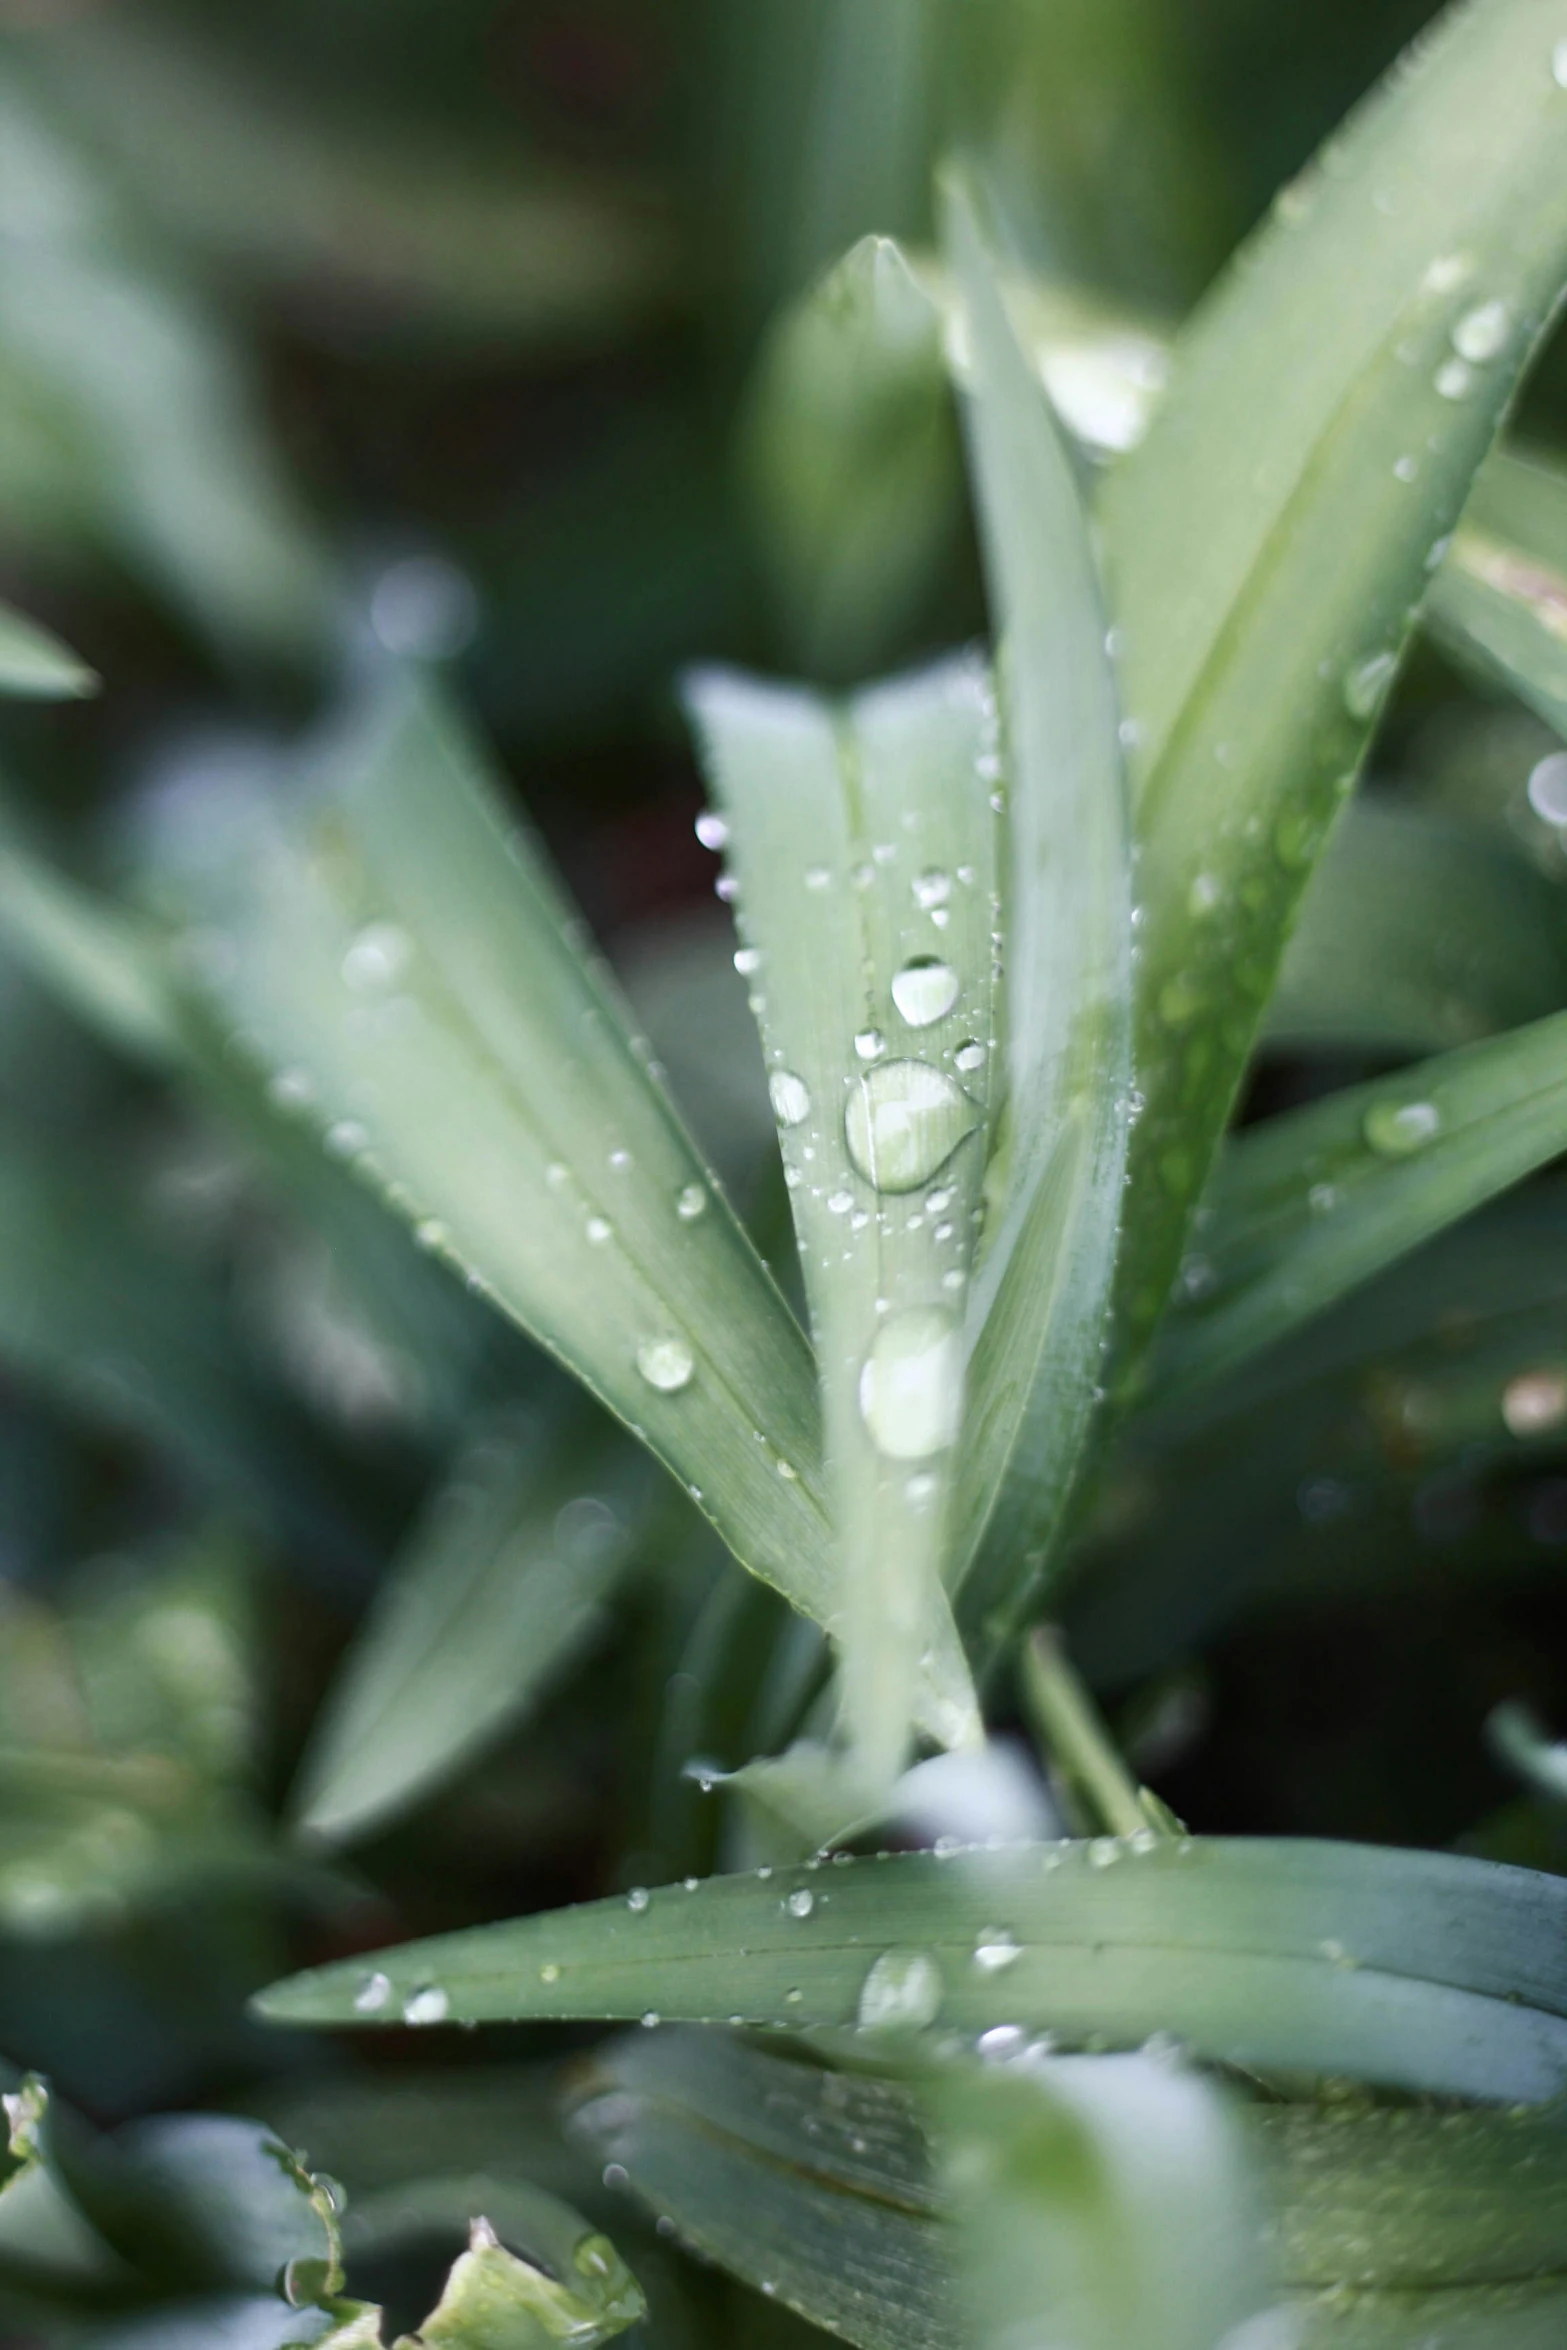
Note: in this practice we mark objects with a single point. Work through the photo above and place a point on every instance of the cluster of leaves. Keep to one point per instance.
(959, 2050)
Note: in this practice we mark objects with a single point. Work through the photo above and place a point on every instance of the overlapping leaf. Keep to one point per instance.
(863, 844)
(1039, 1307)
(1270, 538)
(1500, 599)
(36, 665)
(1414, 1970)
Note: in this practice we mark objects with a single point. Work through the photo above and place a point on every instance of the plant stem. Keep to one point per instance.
(1073, 1735)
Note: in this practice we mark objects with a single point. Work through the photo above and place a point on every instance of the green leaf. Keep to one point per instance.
(1411, 1969)
(1040, 1303)
(1270, 539)
(1104, 2201)
(500, 1586)
(495, 2301)
(862, 841)
(1306, 1206)
(211, 2203)
(48, 2245)
(849, 460)
(1418, 933)
(394, 953)
(36, 665)
(1500, 599)
(813, 2186)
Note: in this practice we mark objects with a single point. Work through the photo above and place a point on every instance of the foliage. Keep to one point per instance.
(563, 1467)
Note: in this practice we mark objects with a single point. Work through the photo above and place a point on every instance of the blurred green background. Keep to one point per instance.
(333, 329)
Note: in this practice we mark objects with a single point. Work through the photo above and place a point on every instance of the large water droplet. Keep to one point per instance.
(791, 1097)
(377, 957)
(427, 2006)
(372, 1994)
(801, 1902)
(1548, 788)
(911, 1384)
(924, 990)
(901, 1992)
(1398, 1129)
(691, 1203)
(665, 1363)
(1367, 682)
(932, 888)
(712, 830)
(1482, 332)
(904, 1120)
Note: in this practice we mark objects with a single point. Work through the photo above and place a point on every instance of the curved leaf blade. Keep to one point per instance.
(1269, 541)
(1500, 599)
(36, 665)
(1039, 1308)
(1410, 1969)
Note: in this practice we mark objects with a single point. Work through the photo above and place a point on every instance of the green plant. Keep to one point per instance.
(1055, 2069)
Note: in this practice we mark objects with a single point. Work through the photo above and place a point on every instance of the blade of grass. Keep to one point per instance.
(1039, 1308)
(35, 665)
(1308, 1205)
(502, 1584)
(862, 842)
(1414, 1970)
(1270, 539)
(104, 962)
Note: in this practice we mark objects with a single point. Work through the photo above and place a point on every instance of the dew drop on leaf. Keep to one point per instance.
(665, 1363)
(1455, 379)
(904, 1121)
(870, 1044)
(1367, 682)
(1482, 332)
(1548, 788)
(429, 2005)
(637, 1900)
(996, 1950)
(791, 1098)
(1559, 65)
(925, 990)
(1000, 2042)
(691, 1203)
(932, 888)
(901, 1992)
(1534, 1402)
(377, 957)
(801, 1902)
(712, 830)
(970, 1056)
(599, 1230)
(372, 1994)
(911, 1384)
(748, 960)
(1396, 1130)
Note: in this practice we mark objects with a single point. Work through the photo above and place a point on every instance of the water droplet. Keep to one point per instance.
(620, 1161)
(1482, 332)
(712, 830)
(549, 1972)
(1559, 65)
(932, 888)
(904, 1121)
(377, 957)
(1548, 788)
(431, 1233)
(1000, 2042)
(1367, 682)
(1104, 1852)
(901, 1992)
(665, 1363)
(1323, 1198)
(911, 1384)
(1455, 379)
(599, 1230)
(1405, 468)
(726, 889)
(691, 1203)
(870, 1044)
(817, 877)
(1396, 1130)
(996, 1950)
(637, 1900)
(800, 1902)
(970, 1056)
(922, 1490)
(1204, 894)
(839, 1203)
(925, 990)
(372, 1994)
(650, 2019)
(791, 1097)
(748, 960)
(345, 1138)
(616, 2175)
(427, 2006)
(1535, 1401)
